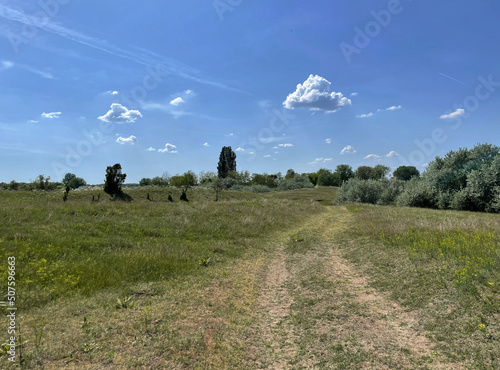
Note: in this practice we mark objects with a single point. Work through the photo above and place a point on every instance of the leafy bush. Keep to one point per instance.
(363, 191)
(295, 182)
(418, 193)
(252, 188)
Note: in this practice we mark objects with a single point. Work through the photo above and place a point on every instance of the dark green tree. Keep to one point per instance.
(345, 172)
(380, 171)
(406, 172)
(290, 174)
(114, 180)
(364, 173)
(145, 181)
(227, 162)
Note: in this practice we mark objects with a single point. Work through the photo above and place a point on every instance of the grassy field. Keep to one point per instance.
(274, 280)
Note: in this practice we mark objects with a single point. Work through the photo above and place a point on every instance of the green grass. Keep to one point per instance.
(444, 265)
(78, 258)
(176, 285)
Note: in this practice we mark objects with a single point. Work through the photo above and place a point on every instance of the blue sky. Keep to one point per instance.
(161, 86)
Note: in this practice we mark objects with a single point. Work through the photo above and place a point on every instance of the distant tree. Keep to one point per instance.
(114, 180)
(145, 182)
(72, 181)
(13, 185)
(290, 174)
(345, 172)
(313, 178)
(158, 181)
(405, 173)
(380, 171)
(364, 173)
(190, 178)
(227, 162)
(328, 178)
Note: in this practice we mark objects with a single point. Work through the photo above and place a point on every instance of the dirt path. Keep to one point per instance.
(317, 310)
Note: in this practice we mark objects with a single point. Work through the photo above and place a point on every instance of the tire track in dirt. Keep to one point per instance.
(349, 319)
(275, 327)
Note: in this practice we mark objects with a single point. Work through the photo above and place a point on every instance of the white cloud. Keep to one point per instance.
(372, 156)
(120, 114)
(251, 153)
(177, 101)
(114, 92)
(275, 147)
(239, 149)
(394, 107)
(33, 121)
(367, 115)
(354, 94)
(456, 114)
(328, 141)
(51, 115)
(348, 150)
(288, 145)
(392, 153)
(267, 155)
(151, 149)
(206, 144)
(425, 165)
(127, 140)
(321, 160)
(6, 64)
(315, 94)
(169, 148)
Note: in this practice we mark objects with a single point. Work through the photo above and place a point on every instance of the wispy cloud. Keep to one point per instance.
(7, 64)
(366, 115)
(321, 160)
(392, 153)
(348, 150)
(127, 140)
(288, 145)
(458, 113)
(139, 56)
(372, 156)
(328, 141)
(395, 107)
(51, 115)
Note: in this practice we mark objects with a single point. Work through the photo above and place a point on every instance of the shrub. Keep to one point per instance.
(418, 193)
(362, 191)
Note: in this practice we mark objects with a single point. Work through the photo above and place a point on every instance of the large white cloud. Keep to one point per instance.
(348, 150)
(315, 94)
(127, 140)
(169, 148)
(456, 114)
(120, 114)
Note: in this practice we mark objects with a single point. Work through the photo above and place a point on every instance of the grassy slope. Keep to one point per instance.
(76, 259)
